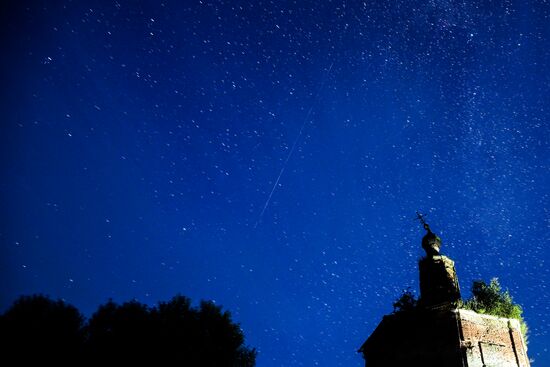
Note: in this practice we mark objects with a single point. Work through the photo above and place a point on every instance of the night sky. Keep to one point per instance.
(271, 156)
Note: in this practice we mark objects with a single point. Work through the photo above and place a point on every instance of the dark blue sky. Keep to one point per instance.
(140, 142)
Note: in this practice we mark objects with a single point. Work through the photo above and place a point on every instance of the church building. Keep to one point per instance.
(437, 332)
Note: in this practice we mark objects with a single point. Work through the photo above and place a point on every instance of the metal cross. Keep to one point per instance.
(420, 217)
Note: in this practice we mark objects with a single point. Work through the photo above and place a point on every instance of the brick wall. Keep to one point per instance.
(491, 341)
(450, 338)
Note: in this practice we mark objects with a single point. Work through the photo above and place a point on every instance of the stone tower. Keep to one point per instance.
(436, 332)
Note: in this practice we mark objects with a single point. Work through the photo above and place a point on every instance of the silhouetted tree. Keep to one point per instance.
(41, 331)
(177, 330)
(38, 330)
(120, 334)
(171, 333)
(219, 336)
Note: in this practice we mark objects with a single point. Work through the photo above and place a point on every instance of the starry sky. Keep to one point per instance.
(271, 155)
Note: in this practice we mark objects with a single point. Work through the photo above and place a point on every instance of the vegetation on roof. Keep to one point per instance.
(490, 299)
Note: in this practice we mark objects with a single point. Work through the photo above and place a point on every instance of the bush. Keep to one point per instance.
(490, 299)
(407, 302)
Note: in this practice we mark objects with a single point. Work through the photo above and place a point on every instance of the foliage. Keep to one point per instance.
(490, 299)
(407, 302)
(486, 298)
(40, 330)
(37, 326)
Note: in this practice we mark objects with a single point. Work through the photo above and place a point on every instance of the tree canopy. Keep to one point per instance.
(38, 329)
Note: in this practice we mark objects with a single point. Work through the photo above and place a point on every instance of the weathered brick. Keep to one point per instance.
(449, 338)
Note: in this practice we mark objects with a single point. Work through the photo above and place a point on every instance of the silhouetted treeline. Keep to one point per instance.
(39, 330)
